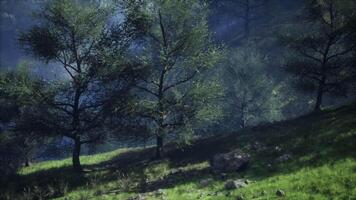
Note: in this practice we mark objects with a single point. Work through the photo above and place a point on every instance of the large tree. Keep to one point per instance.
(76, 37)
(321, 55)
(177, 48)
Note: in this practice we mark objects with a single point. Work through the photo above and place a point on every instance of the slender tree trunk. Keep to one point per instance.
(242, 123)
(247, 20)
(247, 28)
(319, 97)
(159, 146)
(242, 114)
(76, 155)
(27, 162)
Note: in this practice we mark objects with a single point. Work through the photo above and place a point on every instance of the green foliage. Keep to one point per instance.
(79, 39)
(252, 95)
(19, 102)
(178, 51)
(207, 94)
(61, 22)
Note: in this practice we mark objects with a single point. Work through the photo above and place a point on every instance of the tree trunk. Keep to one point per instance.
(247, 29)
(27, 162)
(159, 147)
(76, 153)
(247, 20)
(242, 123)
(242, 114)
(319, 97)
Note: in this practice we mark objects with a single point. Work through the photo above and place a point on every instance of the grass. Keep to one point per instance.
(85, 160)
(323, 166)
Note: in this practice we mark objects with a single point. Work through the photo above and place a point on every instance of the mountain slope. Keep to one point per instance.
(318, 154)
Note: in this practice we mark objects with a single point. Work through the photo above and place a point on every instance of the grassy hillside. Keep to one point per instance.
(321, 165)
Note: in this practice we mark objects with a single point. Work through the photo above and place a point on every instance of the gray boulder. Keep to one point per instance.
(235, 184)
(230, 162)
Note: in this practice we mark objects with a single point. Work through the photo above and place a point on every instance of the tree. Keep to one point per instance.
(77, 38)
(17, 103)
(177, 49)
(321, 61)
(252, 95)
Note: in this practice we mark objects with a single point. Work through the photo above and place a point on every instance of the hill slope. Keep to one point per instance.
(321, 164)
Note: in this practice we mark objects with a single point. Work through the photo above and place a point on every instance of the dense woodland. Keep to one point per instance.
(156, 72)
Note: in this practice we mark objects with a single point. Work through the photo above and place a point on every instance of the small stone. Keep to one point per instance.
(205, 182)
(174, 171)
(201, 195)
(284, 158)
(240, 197)
(280, 193)
(138, 197)
(247, 182)
(278, 149)
(159, 192)
(223, 176)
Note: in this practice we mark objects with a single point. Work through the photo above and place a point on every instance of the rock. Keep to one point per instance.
(234, 184)
(201, 195)
(256, 146)
(159, 192)
(230, 162)
(228, 194)
(205, 182)
(264, 192)
(223, 176)
(280, 193)
(284, 158)
(175, 171)
(216, 194)
(277, 149)
(240, 197)
(138, 197)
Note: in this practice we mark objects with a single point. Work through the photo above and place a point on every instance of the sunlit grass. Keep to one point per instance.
(85, 160)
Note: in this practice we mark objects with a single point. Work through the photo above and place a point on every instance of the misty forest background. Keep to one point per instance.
(83, 77)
